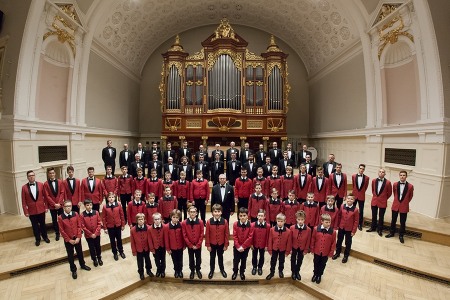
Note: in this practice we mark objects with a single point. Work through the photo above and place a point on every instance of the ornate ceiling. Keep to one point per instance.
(318, 30)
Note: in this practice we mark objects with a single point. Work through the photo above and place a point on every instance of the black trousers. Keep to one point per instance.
(242, 202)
(177, 259)
(348, 241)
(361, 211)
(70, 255)
(240, 257)
(320, 262)
(55, 213)
(277, 255)
(195, 259)
(216, 250)
(182, 206)
(160, 259)
(252, 220)
(255, 262)
(402, 222)
(115, 238)
(124, 199)
(377, 225)
(95, 250)
(201, 206)
(296, 260)
(273, 223)
(96, 207)
(76, 209)
(38, 225)
(142, 257)
(322, 204)
(339, 201)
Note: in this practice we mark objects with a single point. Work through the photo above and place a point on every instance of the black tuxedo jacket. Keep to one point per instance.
(181, 154)
(175, 171)
(312, 169)
(300, 156)
(189, 174)
(167, 154)
(197, 156)
(282, 168)
(293, 157)
(229, 153)
(109, 159)
(243, 158)
(217, 168)
(134, 166)
(159, 168)
(144, 156)
(260, 161)
(325, 169)
(275, 159)
(157, 151)
(126, 162)
(227, 202)
(232, 175)
(205, 169)
(251, 172)
(267, 171)
(213, 155)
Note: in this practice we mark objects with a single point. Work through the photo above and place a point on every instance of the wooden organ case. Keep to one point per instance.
(224, 92)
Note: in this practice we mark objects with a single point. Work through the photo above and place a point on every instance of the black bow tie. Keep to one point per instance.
(222, 186)
(32, 184)
(303, 175)
(380, 179)
(199, 180)
(91, 178)
(324, 230)
(403, 183)
(319, 177)
(243, 225)
(70, 178)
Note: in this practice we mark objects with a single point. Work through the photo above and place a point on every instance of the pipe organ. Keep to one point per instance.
(224, 90)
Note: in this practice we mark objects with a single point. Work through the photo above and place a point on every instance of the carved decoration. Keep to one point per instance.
(177, 46)
(173, 124)
(390, 32)
(275, 124)
(194, 123)
(61, 27)
(386, 10)
(236, 57)
(69, 10)
(197, 56)
(273, 47)
(224, 31)
(254, 124)
(252, 56)
(162, 89)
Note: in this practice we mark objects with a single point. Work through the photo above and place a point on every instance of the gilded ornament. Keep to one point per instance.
(224, 31)
(236, 57)
(273, 47)
(252, 56)
(391, 37)
(177, 46)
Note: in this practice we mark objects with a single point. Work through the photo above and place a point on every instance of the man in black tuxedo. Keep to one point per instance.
(143, 154)
(184, 151)
(168, 153)
(223, 194)
(260, 155)
(201, 151)
(302, 154)
(329, 167)
(137, 163)
(251, 167)
(267, 167)
(233, 169)
(284, 163)
(109, 156)
(186, 167)
(172, 168)
(221, 155)
(157, 165)
(156, 150)
(310, 166)
(203, 166)
(245, 153)
(231, 150)
(126, 157)
(275, 154)
(217, 168)
(291, 154)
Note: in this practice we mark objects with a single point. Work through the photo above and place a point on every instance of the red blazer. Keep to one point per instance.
(341, 189)
(320, 195)
(264, 185)
(110, 185)
(172, 184)
(112, 215)
(275, 182)
(360, 191)
(401, 204)
(260, 235)
(154, 186)
(334, 214)
(183, 189)
(242, 234)
(243, 187)
(166, 205)
(30, 205)
(348, 218)
(149, 210)
(287, 184)
(74, 194)
(140, 239)
(380, 199)
(96, 195)
(256, 203)
(301, 238)
(156, 238)
(193, 232)
(173, 237)
(54, 196)
(289, 210)
(140, 184)
(69, 226)
(275, 207)
(217, 233)
(133, 209)
(199, 190)
(302, 191)
(312, 213)
(279, 240)
(125, 185)
(323, 243)
(91, 223)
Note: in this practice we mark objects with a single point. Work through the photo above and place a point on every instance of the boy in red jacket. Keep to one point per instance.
(140, 245)
(157, 246)
(140, 182)
(200, 194)
(174, 242)
(279, 246)
(126, 187)
(72, 190)
(109, 182)
(91, 224)
(216, 239)
(167, 204)
(193, 232)
(332, 210)
(256, 203)
(259, 244)
(311, 209)
(243, 187)
(70, 228)
(275, 207)
(348, 223)
(150, 208)
(154, 185)
(91, 188)
(290, 207)
(263, 181)
(275, 181)
(54, 196)
(135, 207)
(301, 239)
(323, 244)
(242, 236)
(287, 182)
(182, 193)
(113, 224)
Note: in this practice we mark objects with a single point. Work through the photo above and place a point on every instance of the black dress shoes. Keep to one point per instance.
(176, 275)
(191, 276)
(294, 276)
(335, 256)
(122, 255)
(150, 273)
(260, 272)
(163, 274)
(141, 276)
(270, 276)
(380, 233)
(199, 274)
(254, 271)
(314, 278)
(281, 274)
(37, 243)
(95, 263)
(298, 276)
(86, 268)
(345, 259)
(210, 275)
(158, 274)
(180, 274)
(57, 237)
(224, 274)
(116, 257)
(370, 230)
(74, 275)
(242, 276)
(100, 262)
(319, 279)
(401, 239)
(233, 277)
(389, 235)
(47, 240)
